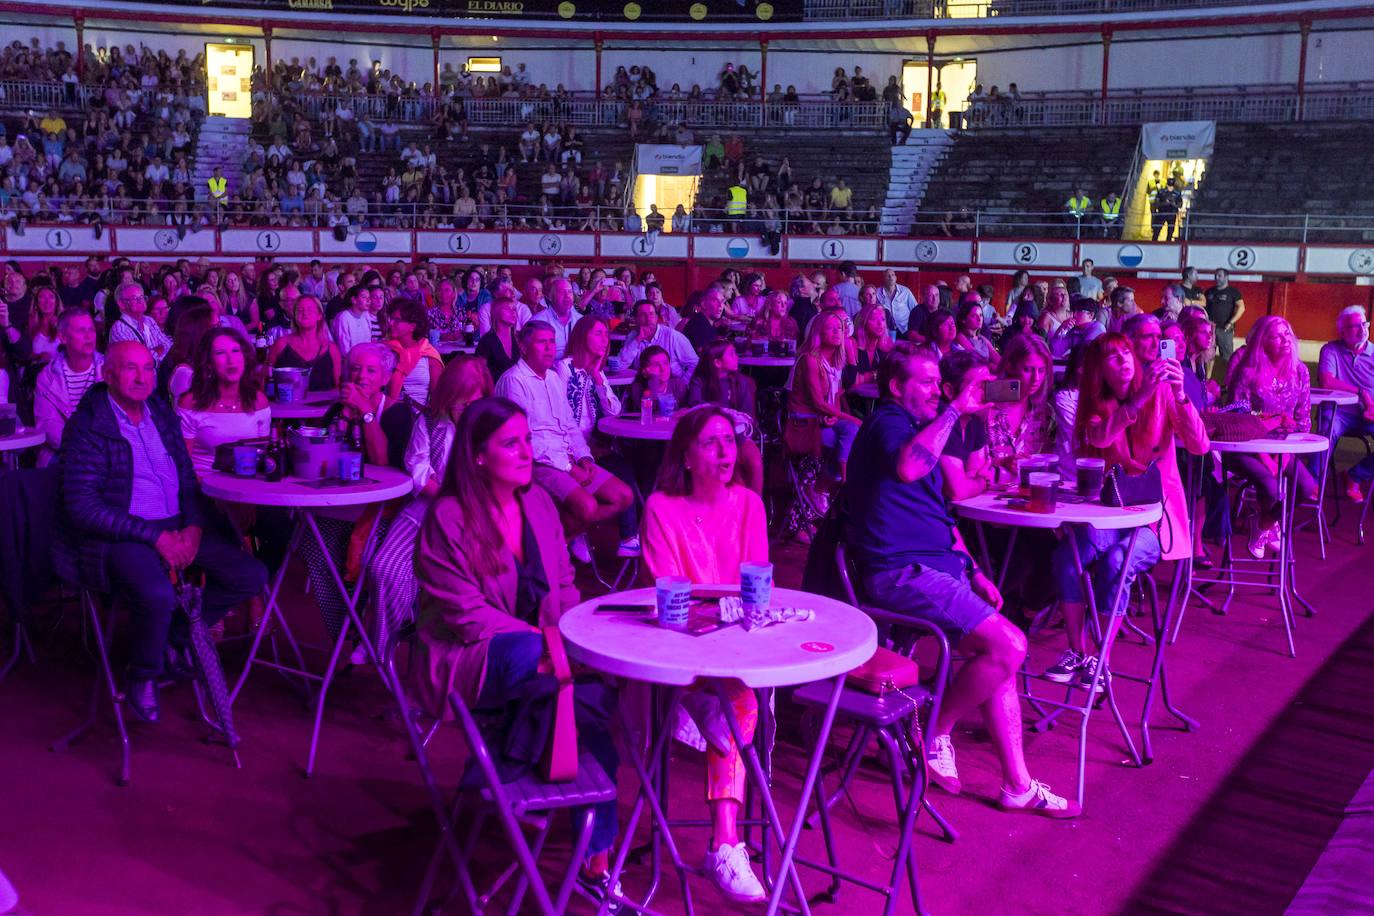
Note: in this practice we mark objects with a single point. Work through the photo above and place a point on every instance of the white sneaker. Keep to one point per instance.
(358, 656)
(1038, 799)
(1271, 537)
(581, 551)
(940, 762)
(729, 867)
(629, 548)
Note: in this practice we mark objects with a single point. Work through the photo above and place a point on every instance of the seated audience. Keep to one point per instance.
(650, 332)
(418, 364)
(498, 346)
(64, 381)
(814, 414)
(307, 346)
(586, 492)
(702, 325)
(775, 321)
(561, 316)
(357, 323)
(702, 522)
(226, 403)
(966, 463)
(492, 567)
(394, 587)
(1130, 413)
(654, 380)
(42, 329)
(912, 560)
(134, 323)
(1024, 427)
(195, 319)
(1079, 329)
(870, 343)
(1268, 378)
(972, 336)
(1347, 364)
(941, 334)
(131, 509)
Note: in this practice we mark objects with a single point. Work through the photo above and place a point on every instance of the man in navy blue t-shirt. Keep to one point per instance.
(912, 560)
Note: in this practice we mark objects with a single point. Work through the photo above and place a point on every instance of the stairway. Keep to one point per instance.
(222, 142)
(913, 164)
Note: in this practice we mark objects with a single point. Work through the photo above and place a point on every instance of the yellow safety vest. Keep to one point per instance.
(1110, 209)
(217, 186)
(1079, 206)
(738, 203)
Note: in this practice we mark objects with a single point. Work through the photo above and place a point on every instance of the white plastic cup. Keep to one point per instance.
(674, 595)
(756, 593)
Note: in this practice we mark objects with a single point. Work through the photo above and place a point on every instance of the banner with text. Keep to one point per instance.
(1178, 139)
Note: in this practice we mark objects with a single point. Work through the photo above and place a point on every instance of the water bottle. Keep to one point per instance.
(646, 410)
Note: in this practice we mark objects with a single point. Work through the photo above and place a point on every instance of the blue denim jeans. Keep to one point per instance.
(1104, 556)
(512, 659)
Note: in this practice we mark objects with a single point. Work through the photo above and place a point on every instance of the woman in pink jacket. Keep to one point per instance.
(493, 569)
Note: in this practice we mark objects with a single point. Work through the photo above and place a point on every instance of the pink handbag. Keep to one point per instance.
(560, 757)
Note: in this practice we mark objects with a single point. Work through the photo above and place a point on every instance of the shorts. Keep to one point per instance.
(560, 484)
(930, 595)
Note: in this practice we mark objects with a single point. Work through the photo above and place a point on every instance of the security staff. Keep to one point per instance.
(1078, 206)
(738, 203)
(1111, 215)
(219, 187)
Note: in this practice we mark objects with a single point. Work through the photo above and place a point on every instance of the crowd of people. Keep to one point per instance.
(138, 376)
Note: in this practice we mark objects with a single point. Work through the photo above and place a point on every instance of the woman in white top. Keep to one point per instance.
(462, 382)
(418, 364)
(42, 330)
(225, 403)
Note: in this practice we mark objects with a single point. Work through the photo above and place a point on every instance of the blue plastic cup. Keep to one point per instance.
(351, 466)
(245, 460)
(674, 594)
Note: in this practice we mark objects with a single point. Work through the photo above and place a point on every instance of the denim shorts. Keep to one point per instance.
(930, 595)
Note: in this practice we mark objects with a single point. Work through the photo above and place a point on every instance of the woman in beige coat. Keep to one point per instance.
(493, 569)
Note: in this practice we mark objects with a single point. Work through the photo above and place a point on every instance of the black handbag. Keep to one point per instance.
(1121, 489)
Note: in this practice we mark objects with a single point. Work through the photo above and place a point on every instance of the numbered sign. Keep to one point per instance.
(833, 249)
(268, 241)
(1242, 258)
(460, 243)
(642, 245)
(1025, 253)
(59, 239)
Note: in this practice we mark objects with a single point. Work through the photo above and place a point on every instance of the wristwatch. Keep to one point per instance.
(369, 417)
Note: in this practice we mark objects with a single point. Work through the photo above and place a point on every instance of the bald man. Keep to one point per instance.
(131, 509)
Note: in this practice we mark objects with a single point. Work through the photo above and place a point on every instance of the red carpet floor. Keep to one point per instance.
(193, 835)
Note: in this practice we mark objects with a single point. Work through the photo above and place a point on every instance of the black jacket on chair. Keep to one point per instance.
(97, 468)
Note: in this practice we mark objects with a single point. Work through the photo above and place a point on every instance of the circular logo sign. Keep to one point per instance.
(764, 11)
(550, 244)
(268, 241)
(1130, 255)
(642, 245)
(365, 242)
(697, 11)
(632, 11)
(927, 251)
(817, 647)
(1025, 253)
(737, 248)
(832, 249)
(59, 239)
(166, 240)
(566, 9)
(460, 243)
(1242, 258)
(1362, 261)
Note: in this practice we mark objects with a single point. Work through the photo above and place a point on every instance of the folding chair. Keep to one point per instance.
(890, 720)
(525, 802)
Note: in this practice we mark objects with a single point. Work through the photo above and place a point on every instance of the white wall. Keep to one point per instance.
(1339, 57)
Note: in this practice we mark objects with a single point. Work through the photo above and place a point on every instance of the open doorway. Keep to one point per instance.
(950, 85)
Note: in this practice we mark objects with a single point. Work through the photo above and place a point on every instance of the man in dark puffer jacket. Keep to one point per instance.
(131, 508)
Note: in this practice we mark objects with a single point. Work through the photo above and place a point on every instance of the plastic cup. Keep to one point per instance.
(666, 404)
(756, 593)
(613, 364)
(351, 466)
(245, 460)
(286, 392)
(435, 337)
(1050, 460)
(1090, 474)
(760, 347)
(1044, 490)
(674, 595)
(1024, 468)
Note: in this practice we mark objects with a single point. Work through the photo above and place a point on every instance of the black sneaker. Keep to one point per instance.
(1066, 669)
(598, 887)
(1087, 671)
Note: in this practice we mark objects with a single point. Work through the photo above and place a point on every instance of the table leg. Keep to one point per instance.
(1158, 672)
(1292, 559)
(351, 603)
(272, 614)
(1288, 494)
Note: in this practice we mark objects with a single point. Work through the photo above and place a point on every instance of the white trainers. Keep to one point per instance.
(1038, 799)
(629, 548)
(940, 762)
(729, 867)
(581, 550)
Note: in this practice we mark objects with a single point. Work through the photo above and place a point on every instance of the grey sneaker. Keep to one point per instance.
(1066, 669)
(1087, 671)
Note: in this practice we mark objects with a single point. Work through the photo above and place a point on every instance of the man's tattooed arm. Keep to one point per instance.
(921, 455)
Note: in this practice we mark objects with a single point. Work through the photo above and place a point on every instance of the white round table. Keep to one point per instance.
(767, 362)
(838, 639)
(315, 405)
(622, 378)
(1292, 444)
(22, 438)
(450, 347)
(1332, 396)
(867, 390)
(988, 508)
(629, 427)
(380, 485)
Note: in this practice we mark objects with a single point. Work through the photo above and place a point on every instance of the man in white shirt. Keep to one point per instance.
(134, 322)
(156, 171)
(505, 290)
(848, 288)
(354, 325)
(650, 332)
(898, 300)
(312, 283)
(560, 315)
(1088, 285)
(585, 492)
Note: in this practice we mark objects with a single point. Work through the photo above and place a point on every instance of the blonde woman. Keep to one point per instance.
(1026, 426)
(813, 404)
(868, 346)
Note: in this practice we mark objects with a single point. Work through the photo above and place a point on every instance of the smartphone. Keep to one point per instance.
(1168, 349)
(1002, 391)
(624, 609)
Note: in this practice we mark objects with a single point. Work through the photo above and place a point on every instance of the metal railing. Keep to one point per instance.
(1191, 226)
(1256, 105)
(986, 9)
(585, 110)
